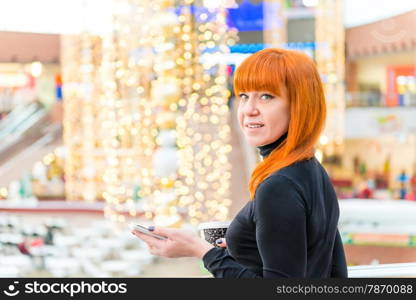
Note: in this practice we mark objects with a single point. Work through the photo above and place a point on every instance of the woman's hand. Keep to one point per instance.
(221, 243)
(179, 243)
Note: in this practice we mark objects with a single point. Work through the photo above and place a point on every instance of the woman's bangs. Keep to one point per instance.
(259, 73)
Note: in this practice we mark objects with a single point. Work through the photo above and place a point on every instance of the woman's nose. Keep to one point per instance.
(250, 107)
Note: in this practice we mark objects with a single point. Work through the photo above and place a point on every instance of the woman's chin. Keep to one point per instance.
(254, 142)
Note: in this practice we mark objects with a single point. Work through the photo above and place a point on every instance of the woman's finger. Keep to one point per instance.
(152, 250)
(167, 232)
(155, 246)
(221, 243)
(151, 241)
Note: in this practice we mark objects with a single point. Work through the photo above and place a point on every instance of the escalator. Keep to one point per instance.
(26, 135)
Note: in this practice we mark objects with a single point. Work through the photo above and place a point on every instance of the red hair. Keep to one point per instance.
(291, 74)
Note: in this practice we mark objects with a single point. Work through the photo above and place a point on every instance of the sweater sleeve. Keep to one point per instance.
(280, 215)
(222, 265)
(339, 264)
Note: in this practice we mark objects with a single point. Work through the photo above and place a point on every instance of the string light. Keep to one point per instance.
(206, 112)
(80, 57)
(129, 139)
(156, 73)
(330, 59)
(274, 23)
(3, 193)
(166, 39)
(106, 108)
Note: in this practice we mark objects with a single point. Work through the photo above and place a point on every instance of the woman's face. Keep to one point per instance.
(267, 114)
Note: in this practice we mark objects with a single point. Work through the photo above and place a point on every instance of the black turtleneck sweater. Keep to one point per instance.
(288, 230)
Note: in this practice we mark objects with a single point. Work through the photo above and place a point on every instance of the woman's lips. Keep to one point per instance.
(253, 129)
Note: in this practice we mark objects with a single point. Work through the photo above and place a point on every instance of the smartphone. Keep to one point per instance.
(144, 230)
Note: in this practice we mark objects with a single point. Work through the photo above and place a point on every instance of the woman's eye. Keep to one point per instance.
(243, 96)
(267, 97)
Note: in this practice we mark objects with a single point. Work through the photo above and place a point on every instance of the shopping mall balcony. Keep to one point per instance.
(377, 99)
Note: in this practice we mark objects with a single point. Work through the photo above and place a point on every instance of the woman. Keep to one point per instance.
(289, 228)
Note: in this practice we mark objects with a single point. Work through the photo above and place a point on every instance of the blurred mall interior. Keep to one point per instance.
(121, 111)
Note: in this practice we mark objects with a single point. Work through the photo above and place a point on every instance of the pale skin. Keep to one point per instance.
(180, 243)
(266, 108)
(262, 107)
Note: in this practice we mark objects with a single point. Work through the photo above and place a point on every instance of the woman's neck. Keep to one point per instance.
(266, 149)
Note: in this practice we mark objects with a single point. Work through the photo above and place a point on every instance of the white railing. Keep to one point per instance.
(377, 216)
(383, 270)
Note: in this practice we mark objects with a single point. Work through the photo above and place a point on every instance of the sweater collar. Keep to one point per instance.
(266, 149)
